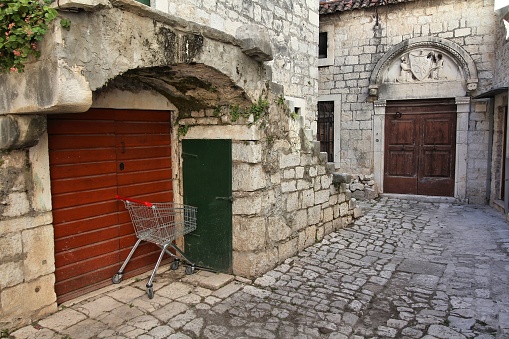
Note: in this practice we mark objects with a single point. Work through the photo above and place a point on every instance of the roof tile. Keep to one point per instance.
(332, 6)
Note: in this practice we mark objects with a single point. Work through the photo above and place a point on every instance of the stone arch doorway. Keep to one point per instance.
(142, 108)
(421, 69)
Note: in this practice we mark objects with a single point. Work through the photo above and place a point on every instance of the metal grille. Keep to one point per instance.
(325, 123)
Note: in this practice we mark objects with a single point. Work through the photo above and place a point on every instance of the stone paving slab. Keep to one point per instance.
(406, 269)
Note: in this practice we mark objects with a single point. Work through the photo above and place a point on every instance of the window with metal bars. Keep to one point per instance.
(325, 126)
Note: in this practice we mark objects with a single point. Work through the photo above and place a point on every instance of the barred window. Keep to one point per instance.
(325, 124)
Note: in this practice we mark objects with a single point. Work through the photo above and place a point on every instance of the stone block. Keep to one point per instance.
(10, 246)
(289, 173)
(39, 160)
(312, 171)
(249, 234)
(288, 186)
(288, 249)
(278, 229)
(320, 233)
(255, 42)
(328, 227)
(292, 201)
(322, 196)
(333, 198)
(326, 180)
(250, 152)
(299, 172)
(328, 214)
(289, 160)
(12, 274)
(307, 237)
(249, 264)
(343, 209)
(40, 292)
(248, 177)
(17, 204)
(307, 198)
(247, 205)
(21, 131)
(314, 215)
(304, 184)
(336, 210)
(39, 250)
(338, 223)
(299, 220)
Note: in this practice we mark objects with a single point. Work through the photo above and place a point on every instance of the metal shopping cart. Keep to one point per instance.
(160, 224)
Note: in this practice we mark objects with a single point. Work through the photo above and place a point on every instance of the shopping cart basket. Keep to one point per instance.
(160, 224)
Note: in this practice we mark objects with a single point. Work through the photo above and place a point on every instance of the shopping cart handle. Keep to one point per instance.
(146, 203)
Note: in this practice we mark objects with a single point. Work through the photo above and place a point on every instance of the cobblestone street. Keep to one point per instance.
(406, 269)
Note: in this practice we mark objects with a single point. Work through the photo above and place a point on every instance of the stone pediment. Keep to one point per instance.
(422, 68)
(422, 65)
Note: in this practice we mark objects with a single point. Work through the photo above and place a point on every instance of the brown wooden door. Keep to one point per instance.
(420, 147)
(93, 157)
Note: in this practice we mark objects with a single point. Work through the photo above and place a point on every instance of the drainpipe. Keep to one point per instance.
(491, 117)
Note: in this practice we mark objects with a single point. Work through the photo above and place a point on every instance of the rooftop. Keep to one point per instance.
(328, 7)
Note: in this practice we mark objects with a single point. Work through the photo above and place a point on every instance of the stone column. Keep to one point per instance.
(463, 110)
(378, 143)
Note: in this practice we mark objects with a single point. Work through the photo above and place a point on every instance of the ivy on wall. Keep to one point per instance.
(23, 23)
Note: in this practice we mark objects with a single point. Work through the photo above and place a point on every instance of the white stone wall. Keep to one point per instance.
(292, 26)
(284, 198)
(359, 45)
(477, 159)
(501, 54)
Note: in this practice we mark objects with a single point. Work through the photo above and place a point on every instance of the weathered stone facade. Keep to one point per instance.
(197, 62)
(370, 49)
(283, 195)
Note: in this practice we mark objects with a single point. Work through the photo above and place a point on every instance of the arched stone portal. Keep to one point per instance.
(424, 68)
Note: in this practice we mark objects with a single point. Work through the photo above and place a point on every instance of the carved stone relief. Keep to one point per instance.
(422, 65)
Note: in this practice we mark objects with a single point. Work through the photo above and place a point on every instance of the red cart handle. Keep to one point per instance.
(146, 203)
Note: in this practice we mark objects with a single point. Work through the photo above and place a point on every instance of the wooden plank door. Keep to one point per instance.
(94, 156)
(420, 146)
(207, 174)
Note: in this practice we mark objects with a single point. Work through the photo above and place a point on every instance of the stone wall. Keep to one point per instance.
(501, 54)
(26, 238)
(359, 44)
(284, 197)
(477, 161)
(293, 31)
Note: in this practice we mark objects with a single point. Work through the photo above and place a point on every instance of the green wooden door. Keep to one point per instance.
(207, 175)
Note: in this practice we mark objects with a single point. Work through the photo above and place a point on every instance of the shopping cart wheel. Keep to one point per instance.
(174, 265)
(189, 270)
(150, 292)
(117, 278)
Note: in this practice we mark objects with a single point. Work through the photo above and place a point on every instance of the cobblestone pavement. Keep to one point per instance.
(407, 269)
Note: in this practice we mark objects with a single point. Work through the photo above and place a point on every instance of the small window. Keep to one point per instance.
(322, 45)
(325, 128)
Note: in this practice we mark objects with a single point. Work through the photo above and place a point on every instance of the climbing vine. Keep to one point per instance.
(23, 23)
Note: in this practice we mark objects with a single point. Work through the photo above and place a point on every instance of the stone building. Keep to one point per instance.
(208, 103)
(416, 92)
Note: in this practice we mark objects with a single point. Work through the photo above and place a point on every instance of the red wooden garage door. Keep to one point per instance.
(94, 156)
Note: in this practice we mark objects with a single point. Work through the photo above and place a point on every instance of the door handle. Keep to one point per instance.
(230, 199)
